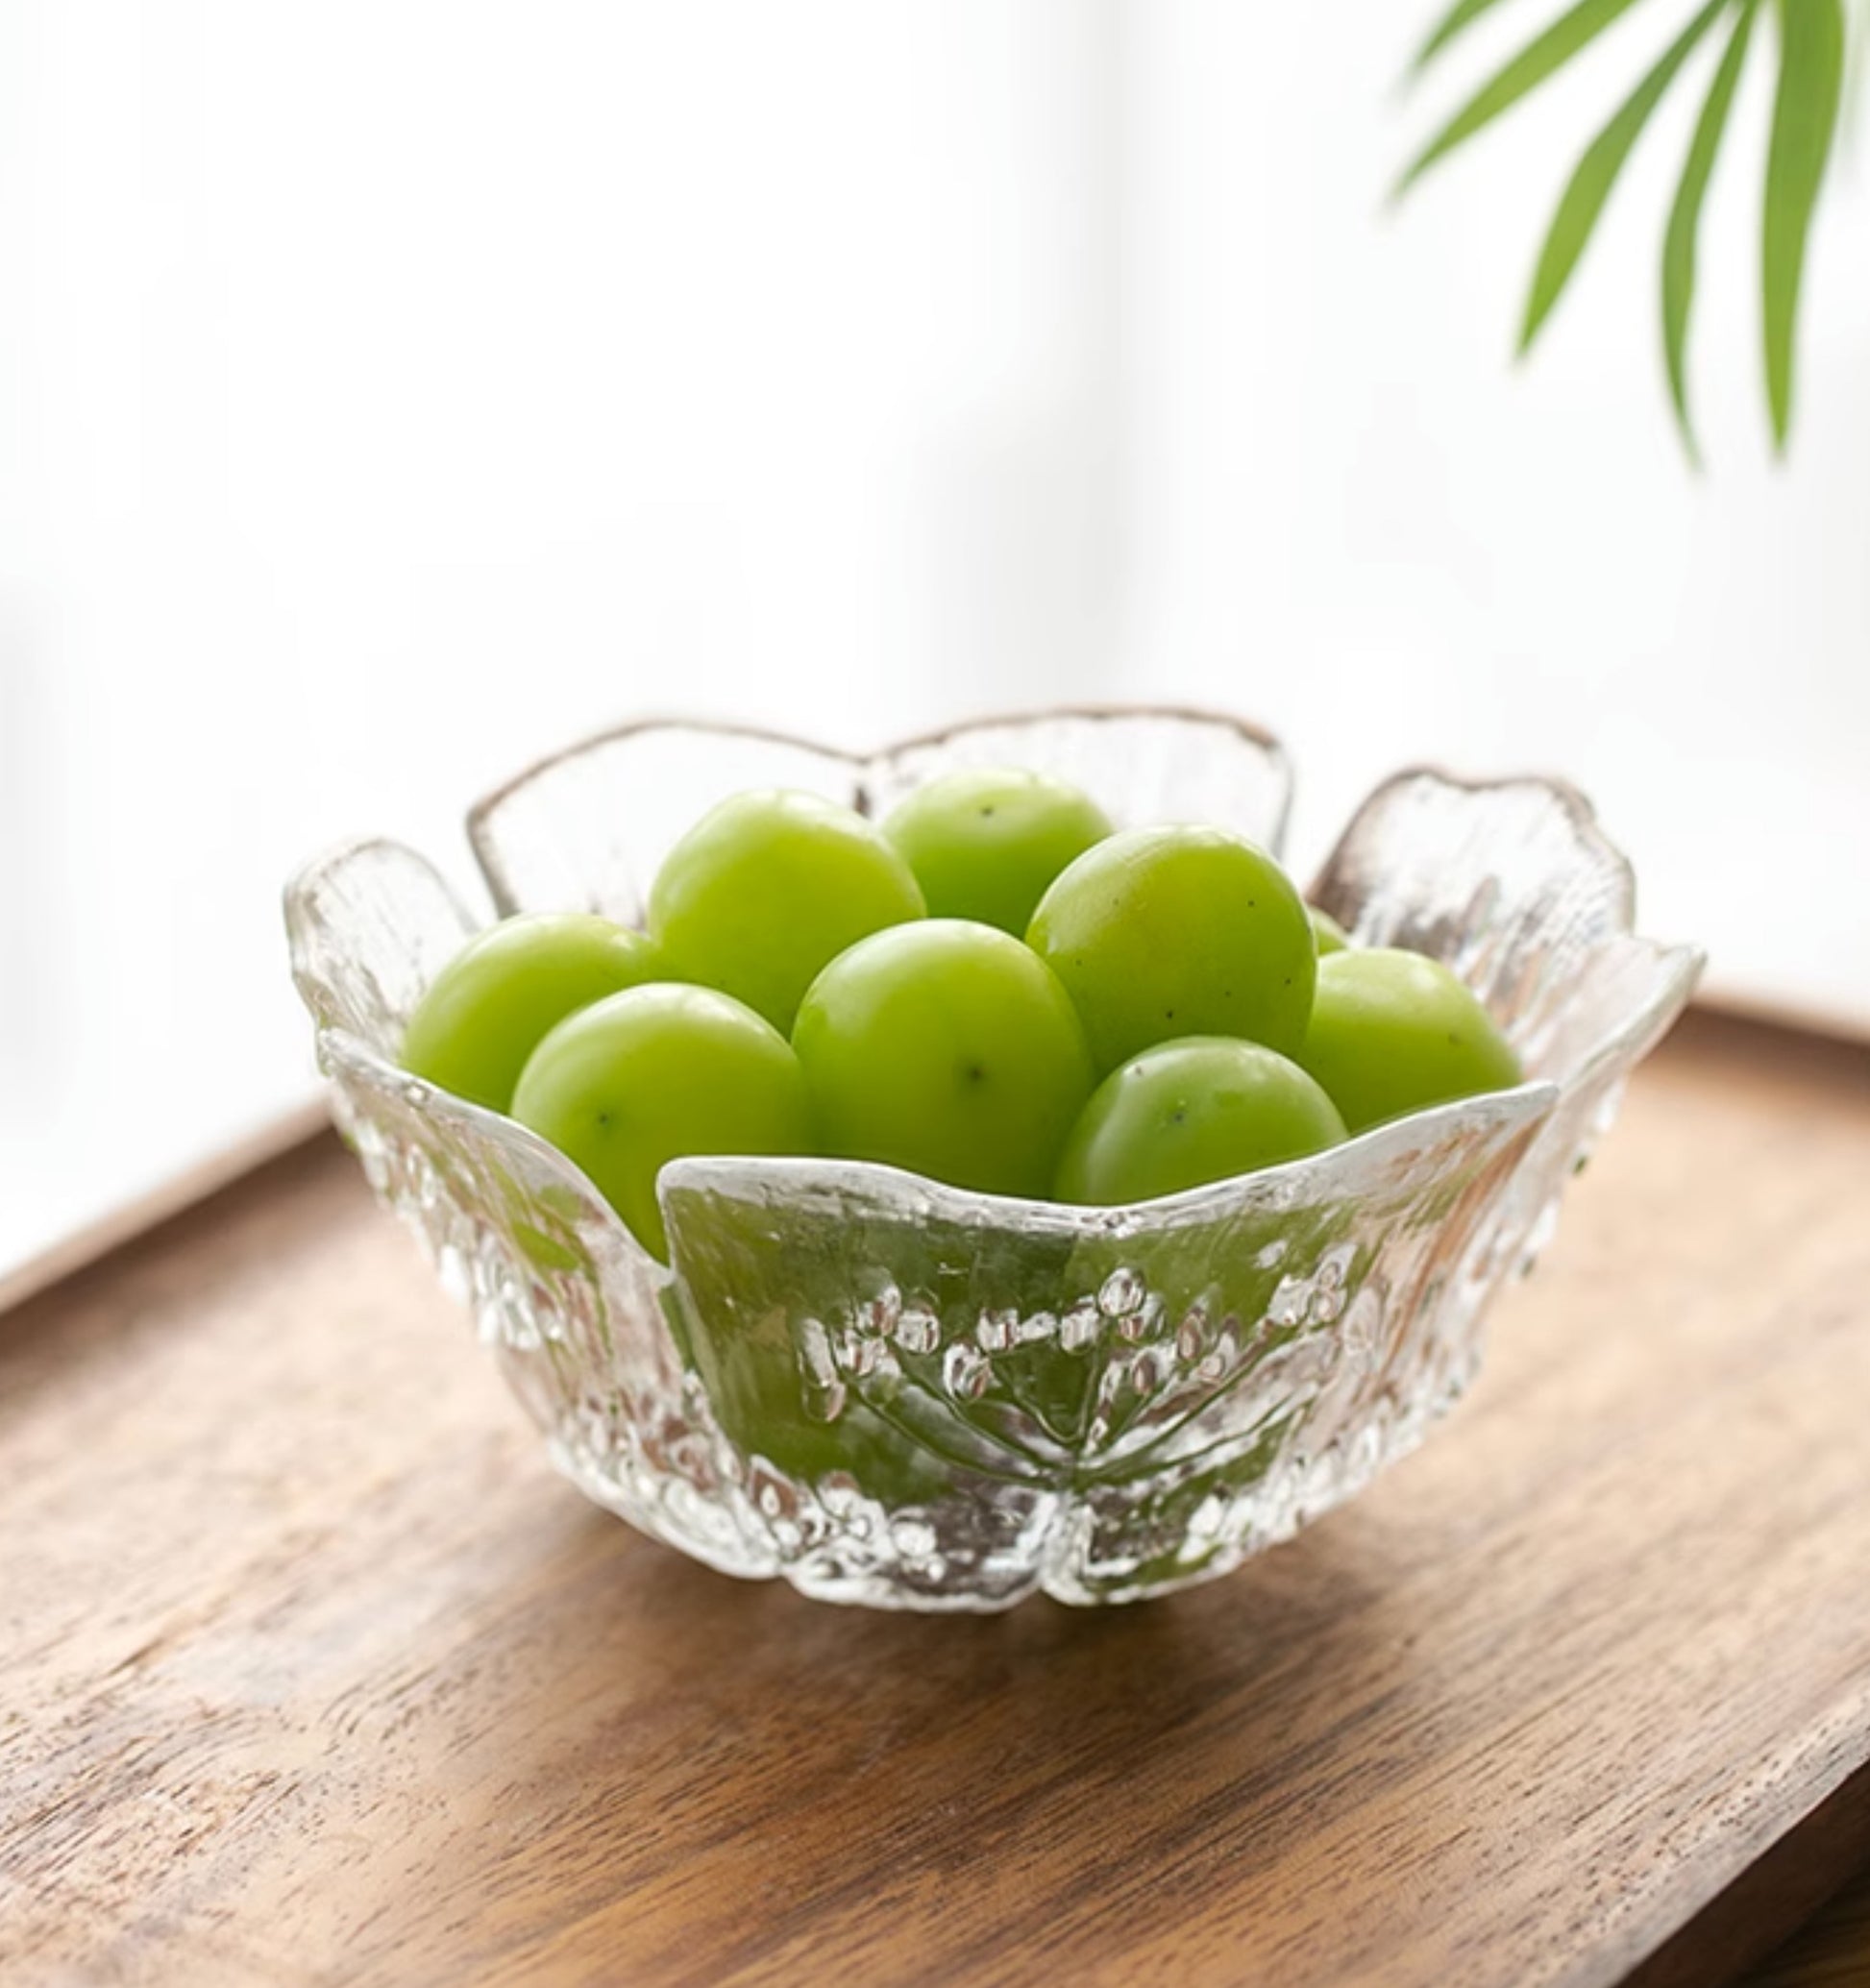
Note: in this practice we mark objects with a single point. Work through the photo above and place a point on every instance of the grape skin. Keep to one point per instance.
(1393, 1032)
(948, 1048)
(1186, 1113)
(1159, 933)
(986, 841)
(769, 886)
(658, 1073)
(487, 1010)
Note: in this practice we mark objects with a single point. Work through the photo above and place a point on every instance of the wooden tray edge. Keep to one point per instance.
(189, 1189)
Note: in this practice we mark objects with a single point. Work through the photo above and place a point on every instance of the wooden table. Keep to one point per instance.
(316, 1674)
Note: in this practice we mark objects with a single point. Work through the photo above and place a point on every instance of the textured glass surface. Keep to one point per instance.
(902, 1394)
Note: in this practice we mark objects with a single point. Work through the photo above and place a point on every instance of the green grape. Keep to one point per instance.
(487, 1009)
(1165, 932)
(1330, 935)
(655, 1074)
(947, 1049)
(1186, 1113)
(769, 887)
(1394, 1032)
(985, 842)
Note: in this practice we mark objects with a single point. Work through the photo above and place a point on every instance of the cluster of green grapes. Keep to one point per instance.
(993, 989)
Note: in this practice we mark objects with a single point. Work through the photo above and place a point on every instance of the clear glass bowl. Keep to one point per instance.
(906, 1395)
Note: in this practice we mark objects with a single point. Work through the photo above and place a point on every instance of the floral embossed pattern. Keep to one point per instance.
(907, 1395)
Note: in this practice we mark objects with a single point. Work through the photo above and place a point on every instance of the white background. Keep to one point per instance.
(392, 392)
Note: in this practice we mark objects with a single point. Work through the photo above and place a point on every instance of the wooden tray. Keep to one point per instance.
(315, 1672)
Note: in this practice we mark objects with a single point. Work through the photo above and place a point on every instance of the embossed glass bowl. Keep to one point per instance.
(907, 1395)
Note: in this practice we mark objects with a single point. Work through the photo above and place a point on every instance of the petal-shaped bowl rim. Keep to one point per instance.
(798, 1175)
(864, 767)
(1571, 797)
(482, 810)
(1530, 1104)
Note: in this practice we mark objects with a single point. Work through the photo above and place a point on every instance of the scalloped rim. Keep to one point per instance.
(862, 765)
(305, 879)
(1680, 964)
(1531, 1102)
(1269, 743)
(1576, 803)
(1524, 1108)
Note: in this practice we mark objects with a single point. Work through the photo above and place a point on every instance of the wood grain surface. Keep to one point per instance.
(1832, 1950)
(314, 1673)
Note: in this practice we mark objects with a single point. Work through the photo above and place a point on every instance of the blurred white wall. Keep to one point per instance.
(392, 392)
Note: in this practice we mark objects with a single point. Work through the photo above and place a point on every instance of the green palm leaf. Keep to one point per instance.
(1815, 39)
(1596, 174)
(1679, 244)
(1804, 116)
(1540, 58)
(1451, 24)
(1857, 70)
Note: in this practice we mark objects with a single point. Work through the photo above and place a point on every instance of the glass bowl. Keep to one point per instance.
(902, 1394)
